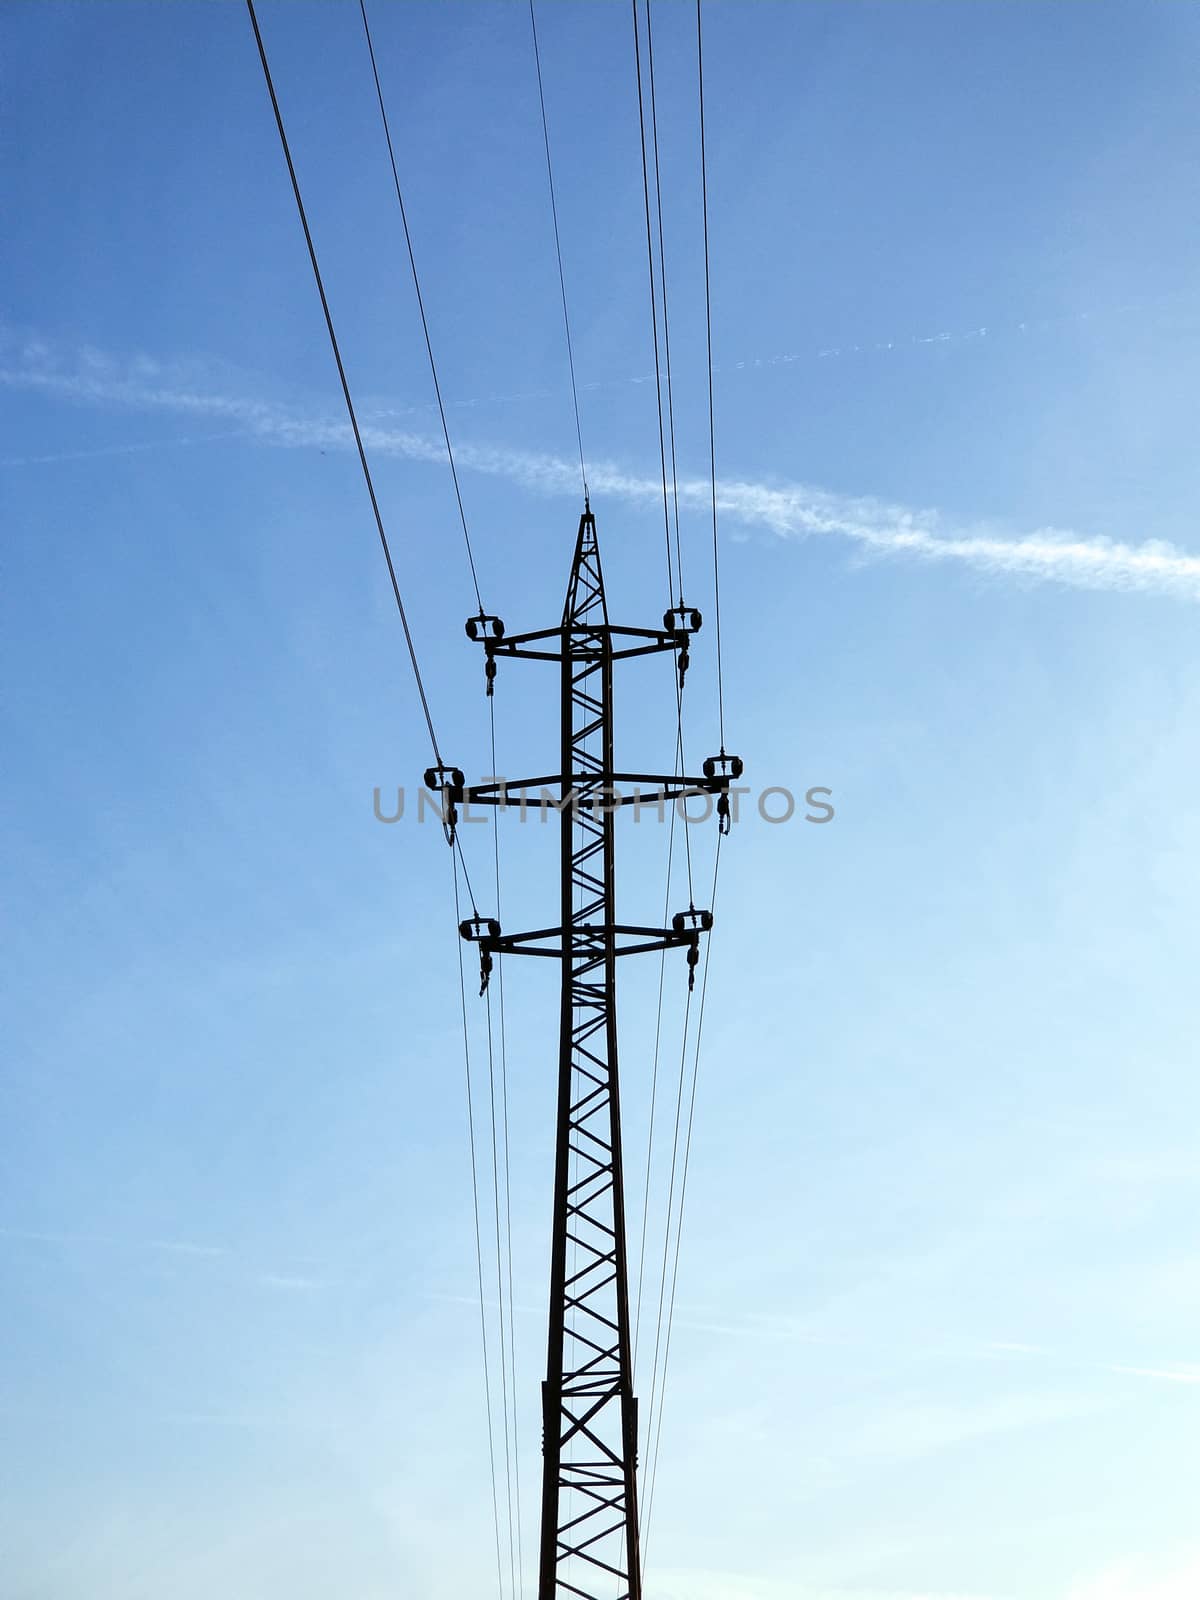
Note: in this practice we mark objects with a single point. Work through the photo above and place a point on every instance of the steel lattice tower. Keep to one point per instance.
(589, 1526)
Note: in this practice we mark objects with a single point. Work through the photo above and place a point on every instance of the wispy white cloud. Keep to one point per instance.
(220, 1419)
(872, 527)
(290, 1281)
(284, 1278)
(182, 1247)
(1175, 1578)
(686, 1584)
(133, 447)
(911, 1430)
(794, 1330)
(1161, 1374)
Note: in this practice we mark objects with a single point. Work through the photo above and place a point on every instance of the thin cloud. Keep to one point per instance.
(284, 1278)
(221, 1419)
(1161, 1374)
(1174, 1577)
(768, 1328)
(691, 1584)
(793, 511)
(182, 1247)
(132, 448)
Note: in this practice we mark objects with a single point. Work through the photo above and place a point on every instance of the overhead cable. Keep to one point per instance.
(412, 261)
(656, 1423)
(487, 1382)
(662, 448)
(712, 451)
(512, 1343)
(458, 858)
(502, 1213)
(562, 282)
(337, 356)
(662, 973)
(662, 268)
(499, 1214)
(679, 760)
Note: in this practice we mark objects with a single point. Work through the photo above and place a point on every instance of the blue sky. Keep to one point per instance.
(939, 1293)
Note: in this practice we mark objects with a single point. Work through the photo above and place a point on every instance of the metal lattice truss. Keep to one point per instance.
(589, 1496)
(589, 1536)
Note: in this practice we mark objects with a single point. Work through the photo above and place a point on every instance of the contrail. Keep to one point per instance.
(1023, 329)
(874, 528)
(131, 448)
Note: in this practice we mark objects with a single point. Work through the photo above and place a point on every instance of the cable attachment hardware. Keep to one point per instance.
(723, 770)
(488, 631)
(450, 782)
(681, 622)
(473, 930)
(692, 923)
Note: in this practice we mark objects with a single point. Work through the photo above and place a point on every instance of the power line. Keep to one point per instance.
(679, 758)
(502, 1217)
(458, 858)
(712, 454)
(657, 1389)
(562, 282)
(687, 1155)
(487, 1383)
(662, 449)
(512, 1342)
(508, 1476)
(457, 842)
(679, 761)
(662, 1283)
(412, 261)
(662, 973)
(662, 267)
(337, 356)
(654, 1423)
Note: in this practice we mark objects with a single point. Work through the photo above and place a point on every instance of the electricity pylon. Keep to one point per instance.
(589, 1524)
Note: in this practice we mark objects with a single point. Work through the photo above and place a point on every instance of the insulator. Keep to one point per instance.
(682, 619)
(444, 777)
(724, 766)
(484, 627)
(692, 921)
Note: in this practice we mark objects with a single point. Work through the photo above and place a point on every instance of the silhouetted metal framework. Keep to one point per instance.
(589, 1528)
